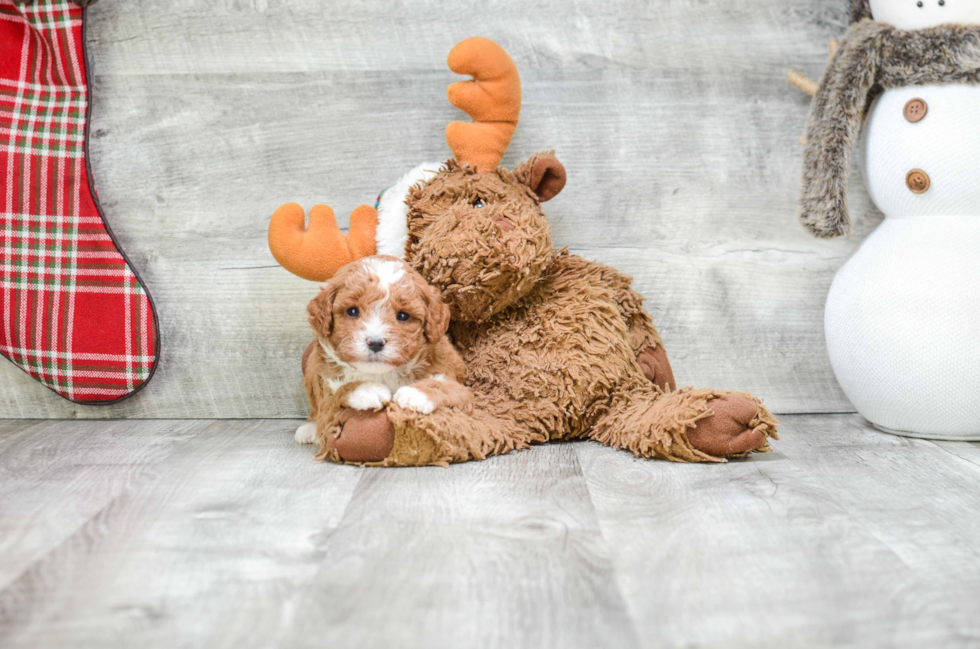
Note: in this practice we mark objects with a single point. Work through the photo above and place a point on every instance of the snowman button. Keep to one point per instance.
(915, 110)
(918, 181)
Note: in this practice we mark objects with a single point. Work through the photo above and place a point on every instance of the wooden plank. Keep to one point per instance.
(227, 534)
(843, 537)
(673, 119)
(56, 476)
(211, 550)
(503, 553)
(242, 540)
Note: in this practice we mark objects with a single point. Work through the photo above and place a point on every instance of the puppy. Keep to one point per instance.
(381, 337)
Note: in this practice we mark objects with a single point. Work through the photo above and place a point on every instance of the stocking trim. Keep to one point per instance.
(87, 68)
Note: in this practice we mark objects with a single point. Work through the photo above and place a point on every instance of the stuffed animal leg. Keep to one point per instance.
(684, 426)
(688, 425)
(443, 437)
(644, 337)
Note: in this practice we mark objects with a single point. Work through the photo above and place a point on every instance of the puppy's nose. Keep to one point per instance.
(376, 345)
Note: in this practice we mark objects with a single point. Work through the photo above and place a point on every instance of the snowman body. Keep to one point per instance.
(903, 314)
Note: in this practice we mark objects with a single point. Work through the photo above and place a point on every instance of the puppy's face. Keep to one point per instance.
(377, 314)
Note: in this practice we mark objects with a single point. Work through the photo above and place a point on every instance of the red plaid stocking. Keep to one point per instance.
(75, 315)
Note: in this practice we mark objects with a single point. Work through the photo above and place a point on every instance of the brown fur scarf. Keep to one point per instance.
(872, 57)
(859, 10)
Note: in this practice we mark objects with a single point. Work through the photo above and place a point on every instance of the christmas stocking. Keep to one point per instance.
(75, 315)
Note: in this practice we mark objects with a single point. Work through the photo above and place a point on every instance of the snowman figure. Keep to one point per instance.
(902, 317)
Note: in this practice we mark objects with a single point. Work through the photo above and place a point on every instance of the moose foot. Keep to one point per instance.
(357, 436)
(738, 425)
(398, 436)
(686, 425)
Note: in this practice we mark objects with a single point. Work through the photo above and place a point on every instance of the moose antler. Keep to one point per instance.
(318, 251)
(492, 98)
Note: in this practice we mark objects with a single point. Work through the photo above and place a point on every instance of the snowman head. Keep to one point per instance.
(918, 14)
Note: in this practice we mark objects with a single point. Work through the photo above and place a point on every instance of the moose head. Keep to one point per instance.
(473, 229)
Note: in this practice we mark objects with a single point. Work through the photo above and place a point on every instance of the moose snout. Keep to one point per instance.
(505, 224)
(376, 344)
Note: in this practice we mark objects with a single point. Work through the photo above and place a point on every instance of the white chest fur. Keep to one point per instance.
(903, 315)
(391, 380)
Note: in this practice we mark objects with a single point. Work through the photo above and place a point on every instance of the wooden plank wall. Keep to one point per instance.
(678, 131)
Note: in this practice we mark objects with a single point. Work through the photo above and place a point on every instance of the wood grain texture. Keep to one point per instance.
(56, 476)
(504, 553)
(227, 534)
(843, 537)
(674, 121)
(209, 550)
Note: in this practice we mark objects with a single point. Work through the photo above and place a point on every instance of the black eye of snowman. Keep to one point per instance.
(942, 3)
(919, 4)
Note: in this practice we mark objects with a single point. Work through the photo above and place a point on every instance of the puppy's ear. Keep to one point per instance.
(320, 308)
(436, 314)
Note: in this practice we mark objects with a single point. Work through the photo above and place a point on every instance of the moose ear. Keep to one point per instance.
(543, 174)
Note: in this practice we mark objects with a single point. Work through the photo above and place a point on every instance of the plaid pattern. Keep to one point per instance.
(74, 314)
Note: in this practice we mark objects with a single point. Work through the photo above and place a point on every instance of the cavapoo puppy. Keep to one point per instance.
(381, 337)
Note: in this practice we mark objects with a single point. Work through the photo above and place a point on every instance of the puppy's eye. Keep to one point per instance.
(478, 203)
(402, 316)
(353, 312)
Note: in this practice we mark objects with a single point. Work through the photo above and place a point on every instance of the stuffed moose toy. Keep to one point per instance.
(555, 346)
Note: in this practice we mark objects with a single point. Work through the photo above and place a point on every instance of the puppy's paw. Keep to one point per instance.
(370, 396)
(414, 399)
(306, 434)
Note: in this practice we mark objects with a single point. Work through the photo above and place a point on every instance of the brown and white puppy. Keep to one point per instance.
(381, 337)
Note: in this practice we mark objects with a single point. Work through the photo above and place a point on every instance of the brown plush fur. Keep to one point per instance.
(872, 57)
(550, 340)
(498, 250)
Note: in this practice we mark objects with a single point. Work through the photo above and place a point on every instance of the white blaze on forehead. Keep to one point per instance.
(374, 327)
(387, 272)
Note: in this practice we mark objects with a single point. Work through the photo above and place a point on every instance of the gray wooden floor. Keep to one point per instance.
(226, 534)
